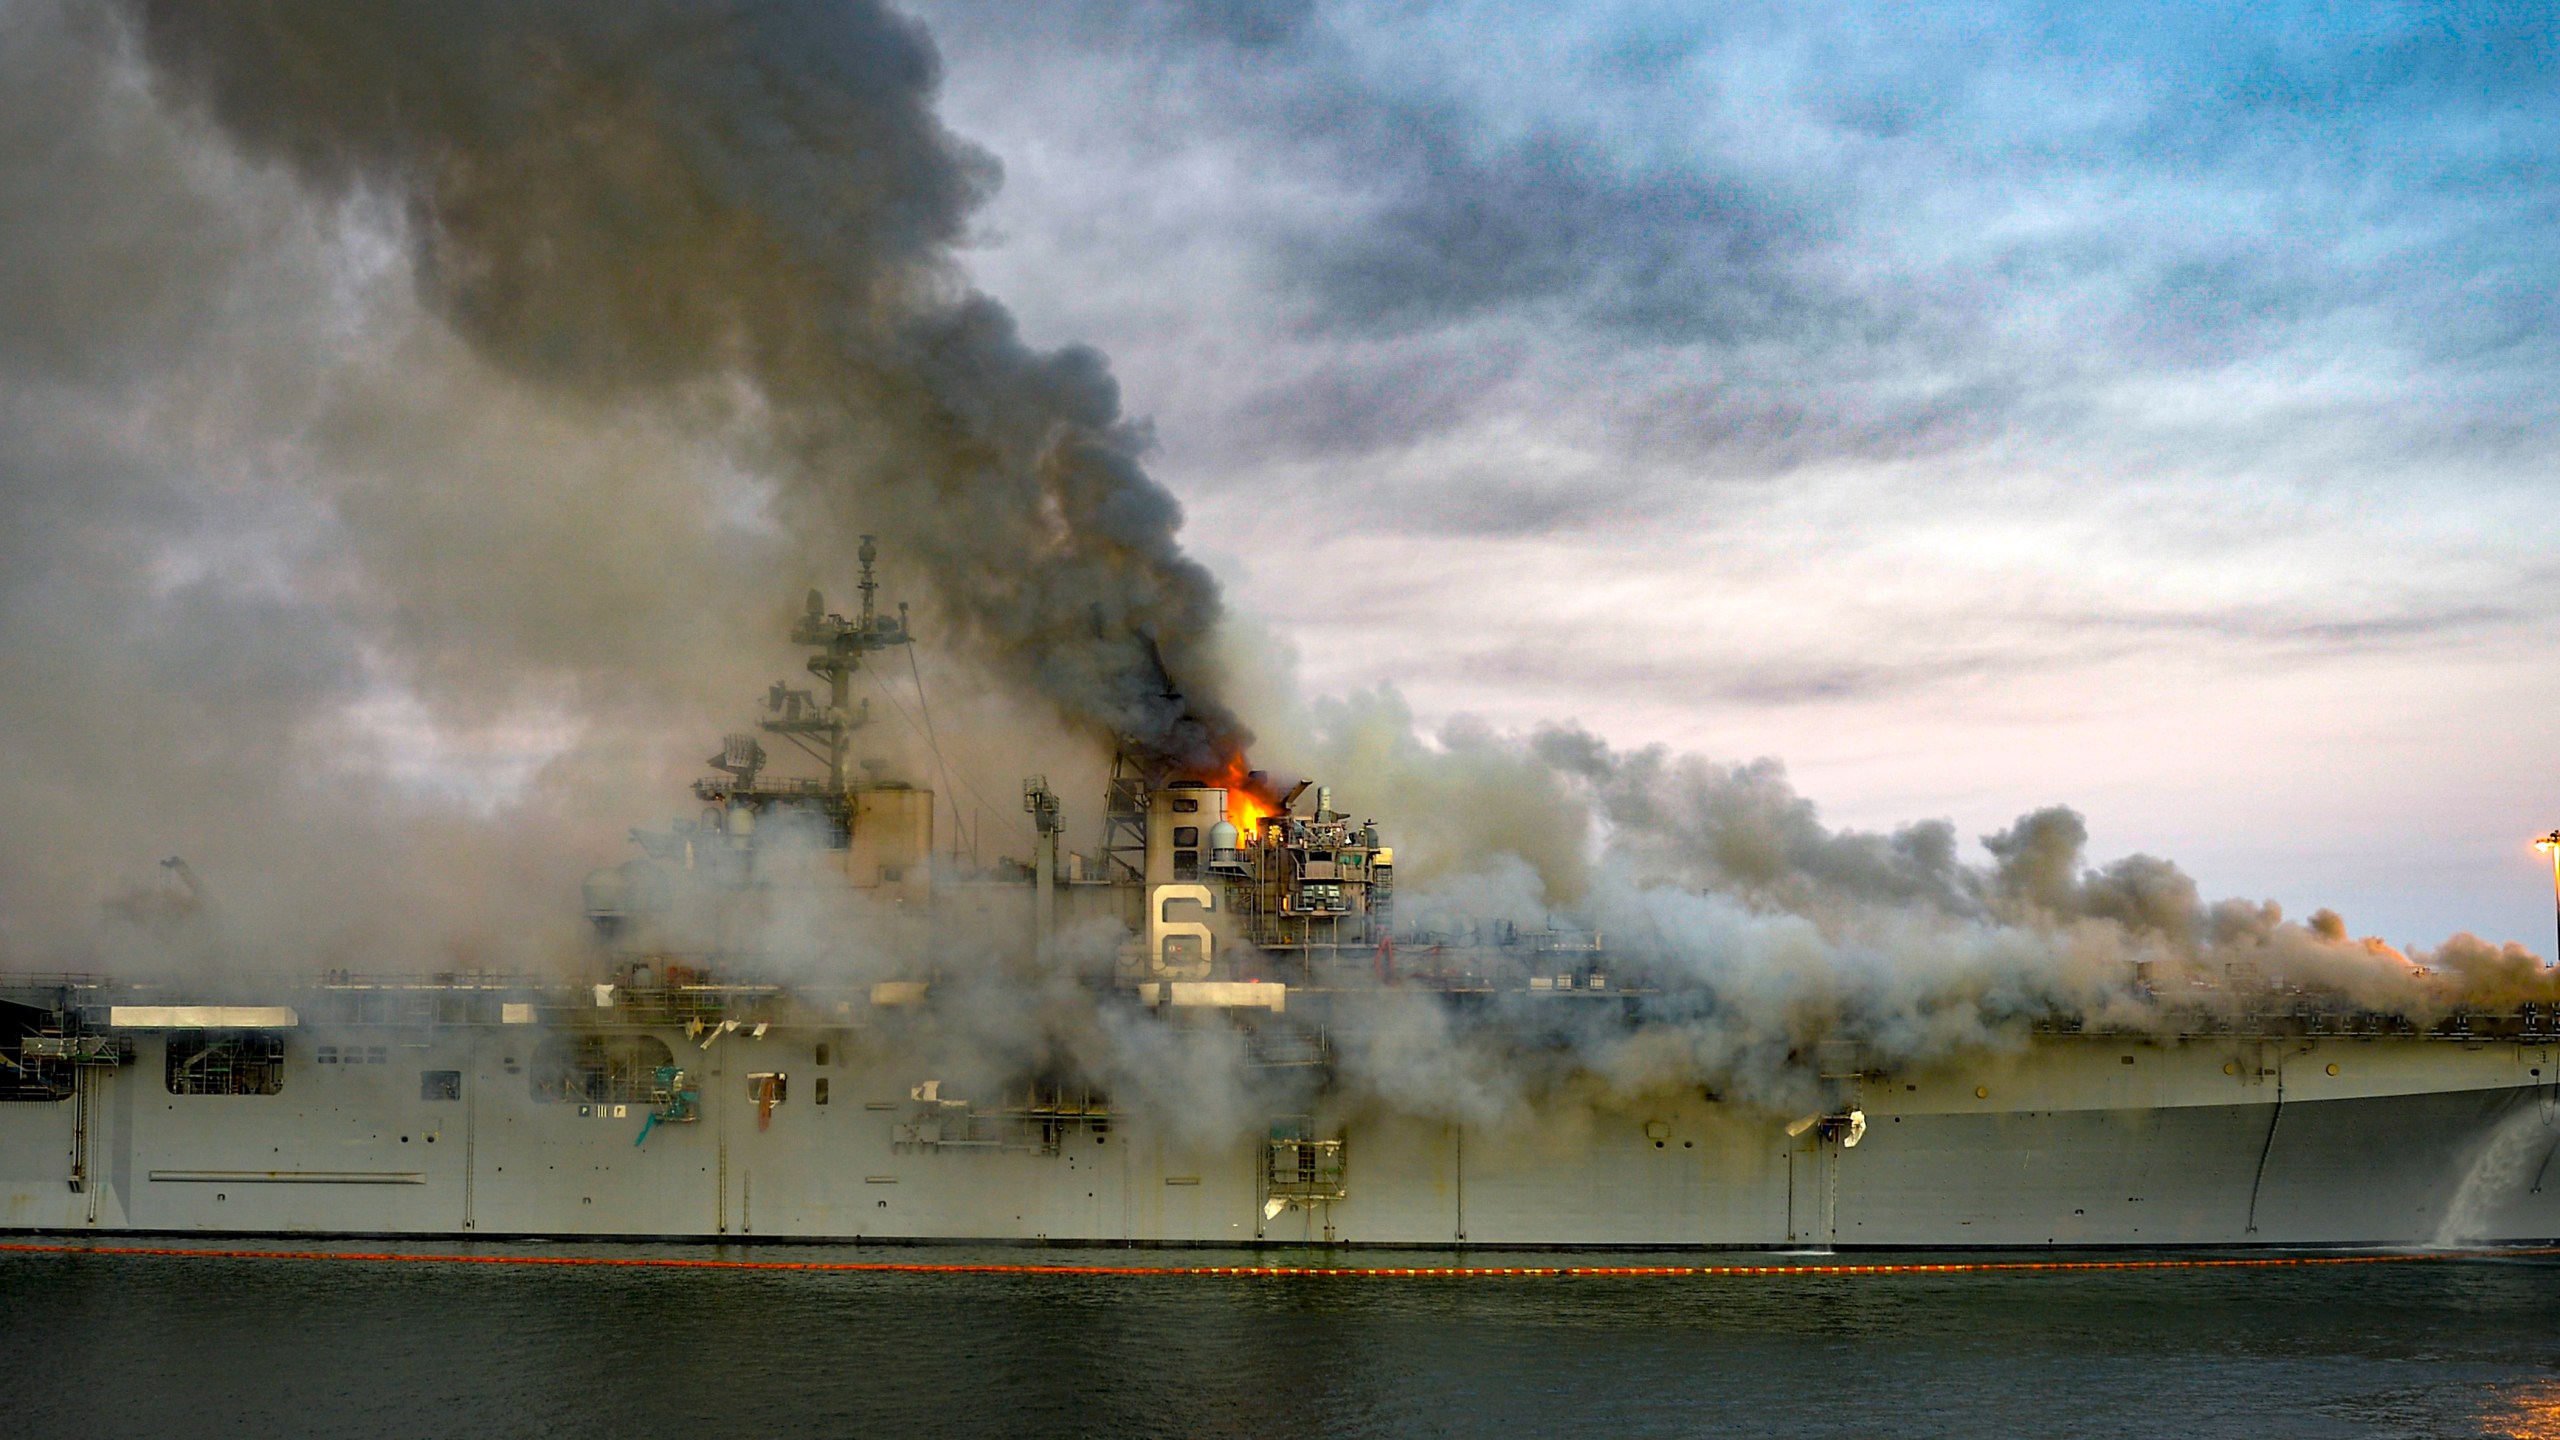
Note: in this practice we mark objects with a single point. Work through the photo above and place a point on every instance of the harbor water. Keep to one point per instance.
(336, 1344)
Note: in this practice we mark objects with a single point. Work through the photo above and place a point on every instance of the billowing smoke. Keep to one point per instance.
(750, 206)
(1758, 935)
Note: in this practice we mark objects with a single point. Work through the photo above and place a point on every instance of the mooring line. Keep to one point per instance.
(1417, 1272)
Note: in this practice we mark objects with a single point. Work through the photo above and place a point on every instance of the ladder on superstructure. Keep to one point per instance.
(1124, 819)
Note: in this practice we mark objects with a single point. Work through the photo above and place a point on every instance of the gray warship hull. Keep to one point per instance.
(2072, 1140)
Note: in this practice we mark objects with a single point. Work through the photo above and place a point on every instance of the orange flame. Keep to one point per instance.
(1247, 803)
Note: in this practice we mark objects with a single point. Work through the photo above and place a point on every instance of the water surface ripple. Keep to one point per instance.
(122, 1344)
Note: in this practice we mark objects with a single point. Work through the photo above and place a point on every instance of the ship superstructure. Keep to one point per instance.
(1226, 926)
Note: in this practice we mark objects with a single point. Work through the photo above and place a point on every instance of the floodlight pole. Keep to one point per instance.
(2550, 845)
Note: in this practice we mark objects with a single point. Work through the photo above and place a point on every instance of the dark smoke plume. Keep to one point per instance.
(653, 201)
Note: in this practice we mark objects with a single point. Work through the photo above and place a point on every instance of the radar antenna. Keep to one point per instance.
(841, 644)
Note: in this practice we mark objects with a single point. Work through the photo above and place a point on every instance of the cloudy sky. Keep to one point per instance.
(2149, 409)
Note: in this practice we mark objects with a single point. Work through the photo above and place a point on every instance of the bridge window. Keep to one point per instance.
(1186, 835)
(1321, 899)
(218, 1062)
(439, 1084)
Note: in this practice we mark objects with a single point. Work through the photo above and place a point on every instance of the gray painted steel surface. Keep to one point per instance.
(2075, 1140)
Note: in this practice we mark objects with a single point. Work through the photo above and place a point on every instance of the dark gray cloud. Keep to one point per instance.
(1247, 24)
(1592, 652)
(1377, 398)
(1665, 257)
(1759, 684)
(2302, 633)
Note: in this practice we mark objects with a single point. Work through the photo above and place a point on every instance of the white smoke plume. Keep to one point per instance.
(1760, 934)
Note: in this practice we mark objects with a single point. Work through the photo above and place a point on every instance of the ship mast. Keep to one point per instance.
(841, 644)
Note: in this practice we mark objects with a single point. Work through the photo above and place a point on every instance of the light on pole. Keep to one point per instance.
(2550, 845)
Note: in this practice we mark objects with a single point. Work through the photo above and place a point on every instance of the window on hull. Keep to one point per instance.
(218, 1062)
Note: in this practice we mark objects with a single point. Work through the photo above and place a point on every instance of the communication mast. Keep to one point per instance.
(823, 729)
(841, 645)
